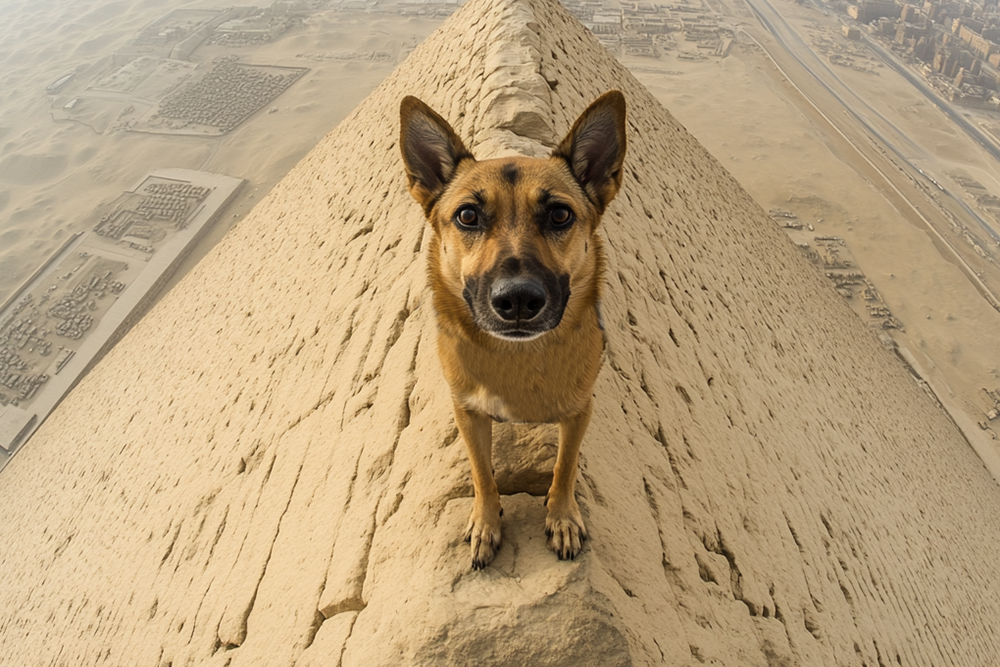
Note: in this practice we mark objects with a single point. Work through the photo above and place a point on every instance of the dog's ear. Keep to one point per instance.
(431, 151)
(595, 148)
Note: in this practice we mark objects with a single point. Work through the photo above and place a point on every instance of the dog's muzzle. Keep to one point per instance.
(517, 307)
(517, 299)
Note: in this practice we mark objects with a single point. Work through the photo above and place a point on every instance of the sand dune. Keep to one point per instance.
(266, 471)
(25, 169)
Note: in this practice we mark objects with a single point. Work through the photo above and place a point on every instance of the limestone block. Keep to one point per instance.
(266, 470)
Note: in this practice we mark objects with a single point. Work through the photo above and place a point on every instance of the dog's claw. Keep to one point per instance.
(484, 535)
(565, 530)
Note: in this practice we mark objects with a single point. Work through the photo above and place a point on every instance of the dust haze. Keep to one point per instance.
(872, 144)
(265, 470)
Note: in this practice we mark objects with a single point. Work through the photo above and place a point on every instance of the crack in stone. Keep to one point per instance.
(242, 631)
(350, 631)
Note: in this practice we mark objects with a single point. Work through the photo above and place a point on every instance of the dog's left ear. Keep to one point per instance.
(431, 151)
(595, 148)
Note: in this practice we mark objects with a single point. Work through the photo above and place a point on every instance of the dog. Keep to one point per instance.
(516, 268)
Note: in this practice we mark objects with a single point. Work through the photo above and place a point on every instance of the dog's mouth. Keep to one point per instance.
(518, 335)
(519, 307)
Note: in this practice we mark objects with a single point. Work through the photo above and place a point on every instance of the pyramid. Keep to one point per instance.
(266, 470)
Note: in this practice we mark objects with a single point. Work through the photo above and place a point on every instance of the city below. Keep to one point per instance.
(92, 290)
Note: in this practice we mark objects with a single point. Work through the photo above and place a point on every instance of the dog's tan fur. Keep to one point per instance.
(516, 204)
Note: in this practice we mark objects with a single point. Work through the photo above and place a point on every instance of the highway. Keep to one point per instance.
(890, 153)
(974, 132)
(918, 82)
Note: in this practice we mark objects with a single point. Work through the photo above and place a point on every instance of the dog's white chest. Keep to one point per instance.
(487, 403)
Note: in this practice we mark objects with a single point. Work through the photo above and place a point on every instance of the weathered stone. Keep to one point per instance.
(266, 471)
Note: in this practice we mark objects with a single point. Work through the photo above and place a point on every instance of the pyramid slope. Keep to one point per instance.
(266, 470)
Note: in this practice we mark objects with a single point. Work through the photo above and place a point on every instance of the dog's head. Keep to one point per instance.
(514, 235)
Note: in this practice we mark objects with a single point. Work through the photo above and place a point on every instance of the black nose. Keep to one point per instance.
(517, 298)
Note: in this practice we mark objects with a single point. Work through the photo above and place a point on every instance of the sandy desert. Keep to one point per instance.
(58, 167)
(764, 129)
(265, 470)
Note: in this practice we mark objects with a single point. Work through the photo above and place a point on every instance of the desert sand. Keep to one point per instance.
(789, 157)
(265, 471)
(57, 168)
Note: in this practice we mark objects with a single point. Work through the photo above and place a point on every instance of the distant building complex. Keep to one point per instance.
(955, 44)
(228, 94)
(66, 316)
(155, 88)
(649, 29)
(831, 255)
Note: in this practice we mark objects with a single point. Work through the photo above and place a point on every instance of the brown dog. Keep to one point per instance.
(516, 267)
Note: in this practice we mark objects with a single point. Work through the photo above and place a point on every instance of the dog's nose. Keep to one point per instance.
(517, 298)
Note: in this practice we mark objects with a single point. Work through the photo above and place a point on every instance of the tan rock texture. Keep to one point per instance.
(266, 470)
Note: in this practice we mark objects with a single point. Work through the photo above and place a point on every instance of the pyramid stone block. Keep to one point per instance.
(266, 471)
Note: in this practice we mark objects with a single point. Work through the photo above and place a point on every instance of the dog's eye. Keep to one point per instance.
(467, 217)
(561, 217)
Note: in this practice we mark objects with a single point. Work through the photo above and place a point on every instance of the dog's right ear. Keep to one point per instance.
(431, 151)
(594, 149)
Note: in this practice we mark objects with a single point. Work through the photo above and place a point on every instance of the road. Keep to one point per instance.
(918, 82)
(890, 154)
(974, 132)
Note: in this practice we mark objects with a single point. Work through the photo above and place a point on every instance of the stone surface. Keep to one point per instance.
(266, 471)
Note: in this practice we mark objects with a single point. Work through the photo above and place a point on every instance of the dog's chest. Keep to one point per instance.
(482, 400)
(528, 401)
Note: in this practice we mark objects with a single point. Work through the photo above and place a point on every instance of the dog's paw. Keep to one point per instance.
(564, 528)
(484, 534)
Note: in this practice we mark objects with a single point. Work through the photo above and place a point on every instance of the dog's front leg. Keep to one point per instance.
(564, 524)
(483, 531)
